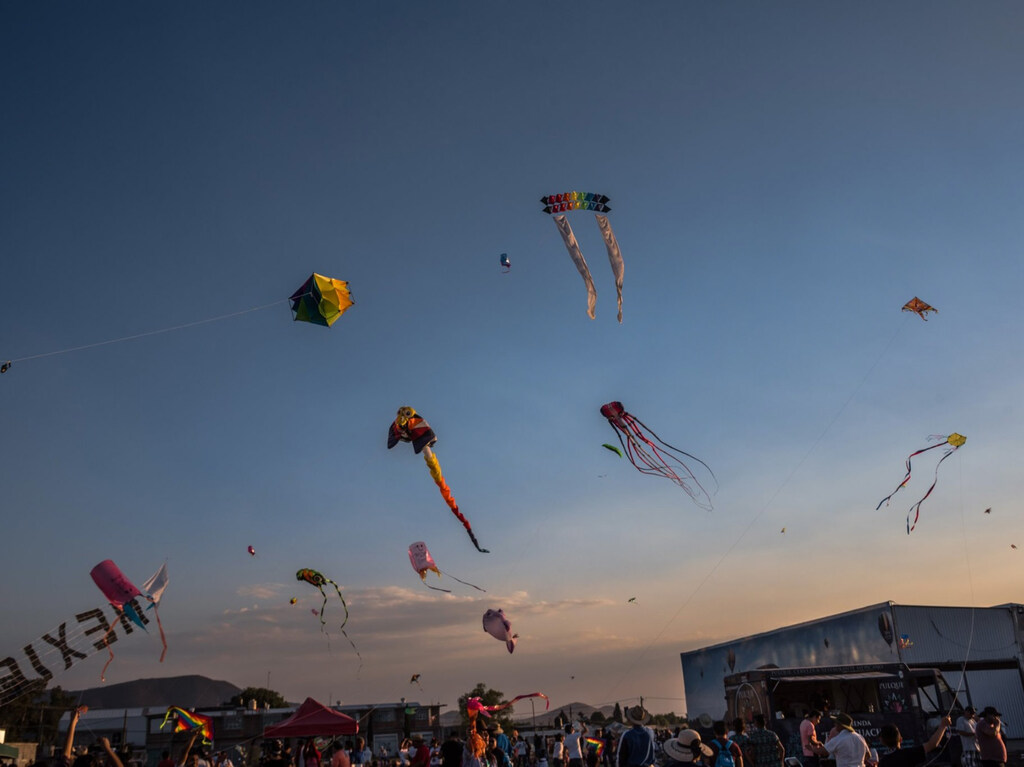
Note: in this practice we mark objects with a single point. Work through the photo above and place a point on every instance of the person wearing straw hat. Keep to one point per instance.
(846, 745)
(636, 746)
(686, 748)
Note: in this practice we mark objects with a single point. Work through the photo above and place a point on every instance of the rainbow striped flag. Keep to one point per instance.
(190, 720)
(597, 745)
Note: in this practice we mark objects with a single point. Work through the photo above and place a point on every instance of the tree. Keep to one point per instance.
(261, 695)
(597, 717)
(489, 697)
(617, 713)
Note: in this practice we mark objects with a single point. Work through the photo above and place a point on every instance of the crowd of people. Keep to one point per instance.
(978, 741)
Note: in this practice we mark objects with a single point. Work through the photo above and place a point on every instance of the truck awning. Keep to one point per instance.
(833, 677)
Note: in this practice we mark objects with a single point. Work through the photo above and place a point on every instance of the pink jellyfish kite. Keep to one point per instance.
(419, 557)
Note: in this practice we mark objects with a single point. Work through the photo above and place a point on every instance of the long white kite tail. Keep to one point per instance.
(577, 258)
(614, 256)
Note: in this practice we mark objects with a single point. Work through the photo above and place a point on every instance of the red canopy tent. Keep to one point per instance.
(311, 719)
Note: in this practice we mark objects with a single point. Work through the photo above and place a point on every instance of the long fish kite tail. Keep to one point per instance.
(916, 508)
(322, 606)
(906, 479)
(446, 493)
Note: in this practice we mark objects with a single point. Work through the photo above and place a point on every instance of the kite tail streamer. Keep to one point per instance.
(916, 508)
(163, 639)
(660, 465)
(577, 258)
(614, 256)
(344, 622)
(906, 479)
(464, 583)
(446, 493)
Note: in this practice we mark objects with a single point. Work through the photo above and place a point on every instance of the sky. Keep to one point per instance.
(783, 178)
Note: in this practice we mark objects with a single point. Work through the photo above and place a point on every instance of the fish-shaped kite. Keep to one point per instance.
(499, 627)
(919, 307)
(570, 201)
(410, 427)
(651, 459)
(419, 557)
(953, 442)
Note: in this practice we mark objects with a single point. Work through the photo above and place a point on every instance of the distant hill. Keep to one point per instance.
(186, 691)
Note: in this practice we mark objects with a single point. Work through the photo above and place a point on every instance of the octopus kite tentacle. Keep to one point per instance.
(648, 458)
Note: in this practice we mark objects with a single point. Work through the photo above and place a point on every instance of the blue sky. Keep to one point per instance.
(783, 177)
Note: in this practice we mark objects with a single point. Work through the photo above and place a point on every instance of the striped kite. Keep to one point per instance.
(188, 721)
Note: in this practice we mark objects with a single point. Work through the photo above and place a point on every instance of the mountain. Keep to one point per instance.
(186, 691)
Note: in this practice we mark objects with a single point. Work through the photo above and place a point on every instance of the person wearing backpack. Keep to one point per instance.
(636, 746)
(724, 752)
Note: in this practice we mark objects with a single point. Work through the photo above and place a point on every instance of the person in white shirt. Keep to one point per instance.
(845, 745)
(965, 728)
(573, 745)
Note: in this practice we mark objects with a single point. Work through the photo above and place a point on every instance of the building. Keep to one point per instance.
(978, 651)
(239, 731)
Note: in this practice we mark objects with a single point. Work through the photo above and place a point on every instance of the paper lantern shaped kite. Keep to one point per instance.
(321, 300)
(421, 561)
(190, 721)
(410, 427)
(953, 442)
(919, 307)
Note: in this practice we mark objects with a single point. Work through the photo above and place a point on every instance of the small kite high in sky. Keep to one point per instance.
(321, 300)
(410, 427)
(314, 578)
(571, 201)
(251, 550)
(419, 557)
(415, 679)
(650, 459)
(919, 307)
(614, 449)
(506, 264)
(953, 442)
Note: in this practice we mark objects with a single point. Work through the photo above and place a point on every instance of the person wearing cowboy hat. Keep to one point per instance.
(636, 746)
(686, 748)
(991, 746)
(846, 745)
